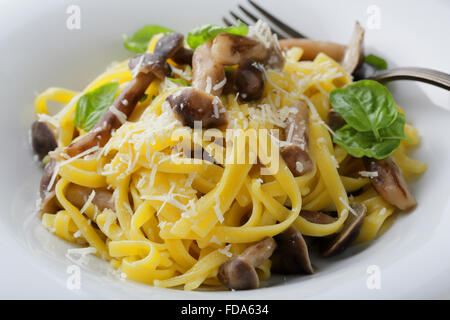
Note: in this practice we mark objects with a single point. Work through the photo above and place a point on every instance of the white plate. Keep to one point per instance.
(38, 51)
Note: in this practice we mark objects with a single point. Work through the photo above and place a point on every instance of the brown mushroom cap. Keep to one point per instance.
(149, 62)
(239, 273)
(293, 154)
(249, 81)
(43, 138)
(390, 183)
(337, 243)
(183, 56)
(190, 105)
(228, 49)
(291, 255)
(335, 120)
(167, 46)
(317, 217)
(78, 195)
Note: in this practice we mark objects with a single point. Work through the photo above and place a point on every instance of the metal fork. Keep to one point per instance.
(365, 71)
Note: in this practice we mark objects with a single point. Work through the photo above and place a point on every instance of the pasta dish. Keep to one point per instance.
(220, 159)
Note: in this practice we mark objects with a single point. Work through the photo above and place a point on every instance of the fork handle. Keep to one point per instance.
(430, 76)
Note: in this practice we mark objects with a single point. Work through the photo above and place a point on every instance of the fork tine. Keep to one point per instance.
(293, 33)
(235, 16)
(254, 19)
(227, 22)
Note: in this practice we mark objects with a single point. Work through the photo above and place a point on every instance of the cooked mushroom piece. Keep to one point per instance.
(145, 68)
(78, 195)
(335, 120)
(337, 243)
(296, 132)
(148, 62)
(49, 169)
(350, 57)
(43, 138)
(249, 81)
(207, 74)
(311, 48)
(190, 105)
(389, 183)
(354, 55)
(291, 255)
(167, 46)
(317, 217)
(183, 56)
(228, 49)
(239, 273)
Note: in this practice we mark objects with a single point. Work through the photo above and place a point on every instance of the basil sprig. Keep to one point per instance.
(92, 105)
(374, 127)
(207, 32)
(138, 42)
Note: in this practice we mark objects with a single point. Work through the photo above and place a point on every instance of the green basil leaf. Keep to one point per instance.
(92, 105)
(182, 82)
(207, 32)
(365, 105)
(138, 42)
(360, 144)
(377, 62)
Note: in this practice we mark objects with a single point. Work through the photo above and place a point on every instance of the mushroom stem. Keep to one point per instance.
(239, 273)
(296, 155)
(127, 100)
(390, 183)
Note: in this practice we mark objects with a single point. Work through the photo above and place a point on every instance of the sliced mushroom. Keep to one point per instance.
(43, 138)
(149, 63)
(354, 54)
(335, 120)
(228, 49)
(49, 202)
(389, 183)
(126, 101)
(317, 217)
(348, 56)
(183, 56)
(49, 169)
(291, 255)
(249, 81)
(168, 45)
(311, 48)
(337, 243)
(78, 195)
(190, 105)
(207, 74)
(239, 273)
(296, 155)
(261, 32)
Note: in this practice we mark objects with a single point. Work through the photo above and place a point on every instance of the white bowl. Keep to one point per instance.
(38, 51)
